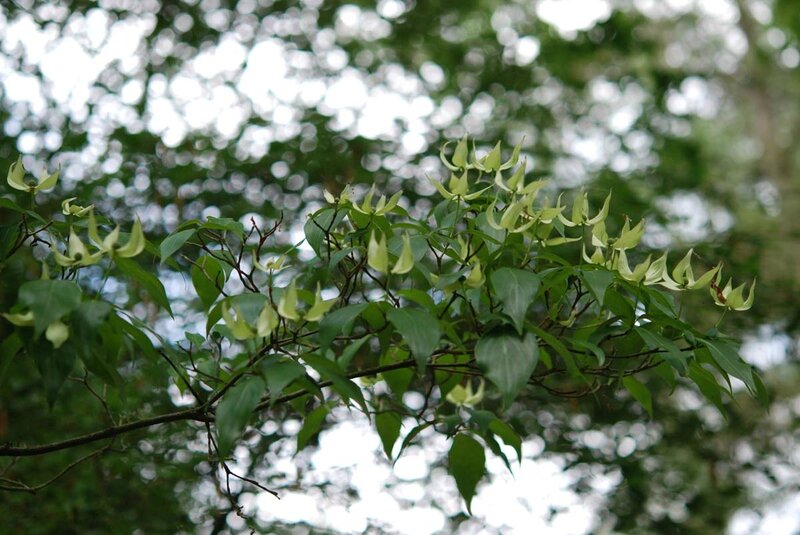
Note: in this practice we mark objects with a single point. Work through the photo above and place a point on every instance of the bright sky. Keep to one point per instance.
(219, 89)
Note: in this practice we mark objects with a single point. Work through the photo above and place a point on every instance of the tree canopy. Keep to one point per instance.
(250, 227)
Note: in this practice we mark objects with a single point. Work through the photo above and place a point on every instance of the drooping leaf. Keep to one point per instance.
(509, 360)
(332, 372)
(235, 410)
(9, 348)
(388, 425)
(561, 349)
(208, 278)
(673, 355)
(466, 463)
(516, 290)
(318, 224)
(639, 392)
(279, 374)
(725, 354)
(419, 330)
(311, 424)
(334, 323)
(54, 365)
(707, 384)
(509, 436)
(598, 281)
(49, 300)
(87, 324)
(147, 280)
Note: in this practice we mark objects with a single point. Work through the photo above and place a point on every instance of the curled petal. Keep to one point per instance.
(20, 320)
(135, 243)
(377, 254)
(16, 176)
(476, 278)
(267, 321)
(320, 307)
(239, 327)
(287, 306)
(405, 262)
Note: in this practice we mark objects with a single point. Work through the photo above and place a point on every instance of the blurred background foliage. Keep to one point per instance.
(687, 109)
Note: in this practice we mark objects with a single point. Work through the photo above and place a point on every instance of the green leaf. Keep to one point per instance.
(585, 345)
(332, 372)
(87, 325)
(224, 223)
(9, 348)
(726, 355)
(280, 374)
(148, 281)
(639, 392)
(249, 304)
(311, 426)
(315, 228)
(598, 281)
(762, 394)
(419, 329)
(419, 297)
(54, 365)
(208, 277)
(234, 411)
(136, 334)
(466, 463)
(388, 425)
(708, 385)
(398, 380)
(195, 339)
(9, 234)
(412, 435)
(350, 352)
(620, 306)
(334, 322)
(173, 242)
(561, 349)
(509, 436)
(11, 205)
(516, 290)
(653, 340)
(495, 448)
(49, 300)
(509, 360)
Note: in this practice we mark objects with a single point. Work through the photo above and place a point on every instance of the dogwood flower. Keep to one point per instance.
(730, 297)
(270, 265)
(109, 245)
(457, 187)
(343, 198)
(463, 396)
(684, 276)
(16, 179)
(77, 253)
(492, 162)
(69, 209)
(459, 160)
(383, 207)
